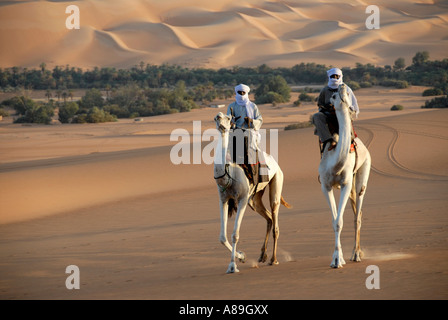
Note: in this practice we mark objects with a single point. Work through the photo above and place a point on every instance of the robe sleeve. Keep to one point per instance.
(354, 102)
(258, 119)
(229, 109)
(321, 99)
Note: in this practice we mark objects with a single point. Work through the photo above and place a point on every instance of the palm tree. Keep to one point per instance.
(107, 88)
(59, 94)
(64, 96)
(48, 94)
(42, 66)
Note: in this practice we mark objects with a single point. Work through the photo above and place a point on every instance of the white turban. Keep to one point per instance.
(242, 87)
(243, 100)
(334, 83)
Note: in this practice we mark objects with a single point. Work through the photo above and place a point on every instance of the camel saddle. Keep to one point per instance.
(333, 126)
(249, 161)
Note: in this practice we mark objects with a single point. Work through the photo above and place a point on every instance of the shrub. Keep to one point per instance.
(305, 97)
(67, 112)
(19, 104)
(37, 113)
(365, 84)
(432, 92)
(397, 107)
(80, 118)
(297, 103)
(270, 97)
(353, 85)
(97, 115)
(273, 89)
(439, 102)
(4, 113)
(399, 84)
(299, 125)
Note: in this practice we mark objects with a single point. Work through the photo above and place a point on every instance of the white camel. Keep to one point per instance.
(234, 188)
(349, 171)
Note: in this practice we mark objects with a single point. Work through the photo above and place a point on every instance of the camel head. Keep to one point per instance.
(340, 99)
(222, 122)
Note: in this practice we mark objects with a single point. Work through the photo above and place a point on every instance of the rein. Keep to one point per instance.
(226, 173)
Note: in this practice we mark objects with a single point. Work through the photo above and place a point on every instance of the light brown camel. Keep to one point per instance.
(234, 189)
(349, 171)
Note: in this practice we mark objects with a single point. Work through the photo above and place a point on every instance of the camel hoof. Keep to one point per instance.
(338, 261)
(232, 268)
(336, 266)
(263, 258)
(242, 256)
(274, 263)
(356, 256)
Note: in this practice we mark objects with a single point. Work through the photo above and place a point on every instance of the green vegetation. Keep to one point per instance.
(67, 112)
(422, 71)
(94, 115)
(399, 84)
(30, 111)
(305, 97)
(432, 92)
(396, 107)
(299, 125)
(147, 90)
(439, 102)
(4, 113)
(272, 90)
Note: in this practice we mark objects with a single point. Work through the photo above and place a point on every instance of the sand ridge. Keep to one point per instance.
(219, 33)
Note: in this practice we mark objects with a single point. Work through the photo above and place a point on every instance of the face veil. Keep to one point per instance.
(243, 99)
(334, 82)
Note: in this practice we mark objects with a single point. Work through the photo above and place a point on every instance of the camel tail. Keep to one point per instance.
(232, 208)
(286, 204)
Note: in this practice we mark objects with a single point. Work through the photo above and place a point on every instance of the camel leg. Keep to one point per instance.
(362, 177)
(356, 255)
(338, 258)
(242, 203)
(261, 209)
(275, 193)
(329, 195)
(224, 207)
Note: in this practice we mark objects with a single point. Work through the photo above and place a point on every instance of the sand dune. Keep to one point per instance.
(219, 33)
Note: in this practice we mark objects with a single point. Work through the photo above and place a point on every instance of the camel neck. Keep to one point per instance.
(343, 146)
(220, 154)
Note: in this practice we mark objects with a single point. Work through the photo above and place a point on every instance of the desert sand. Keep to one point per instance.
(107, 198)
(221, 33)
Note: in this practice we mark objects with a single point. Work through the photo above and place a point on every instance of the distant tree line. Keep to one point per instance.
(422, 71)
(147, 90)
